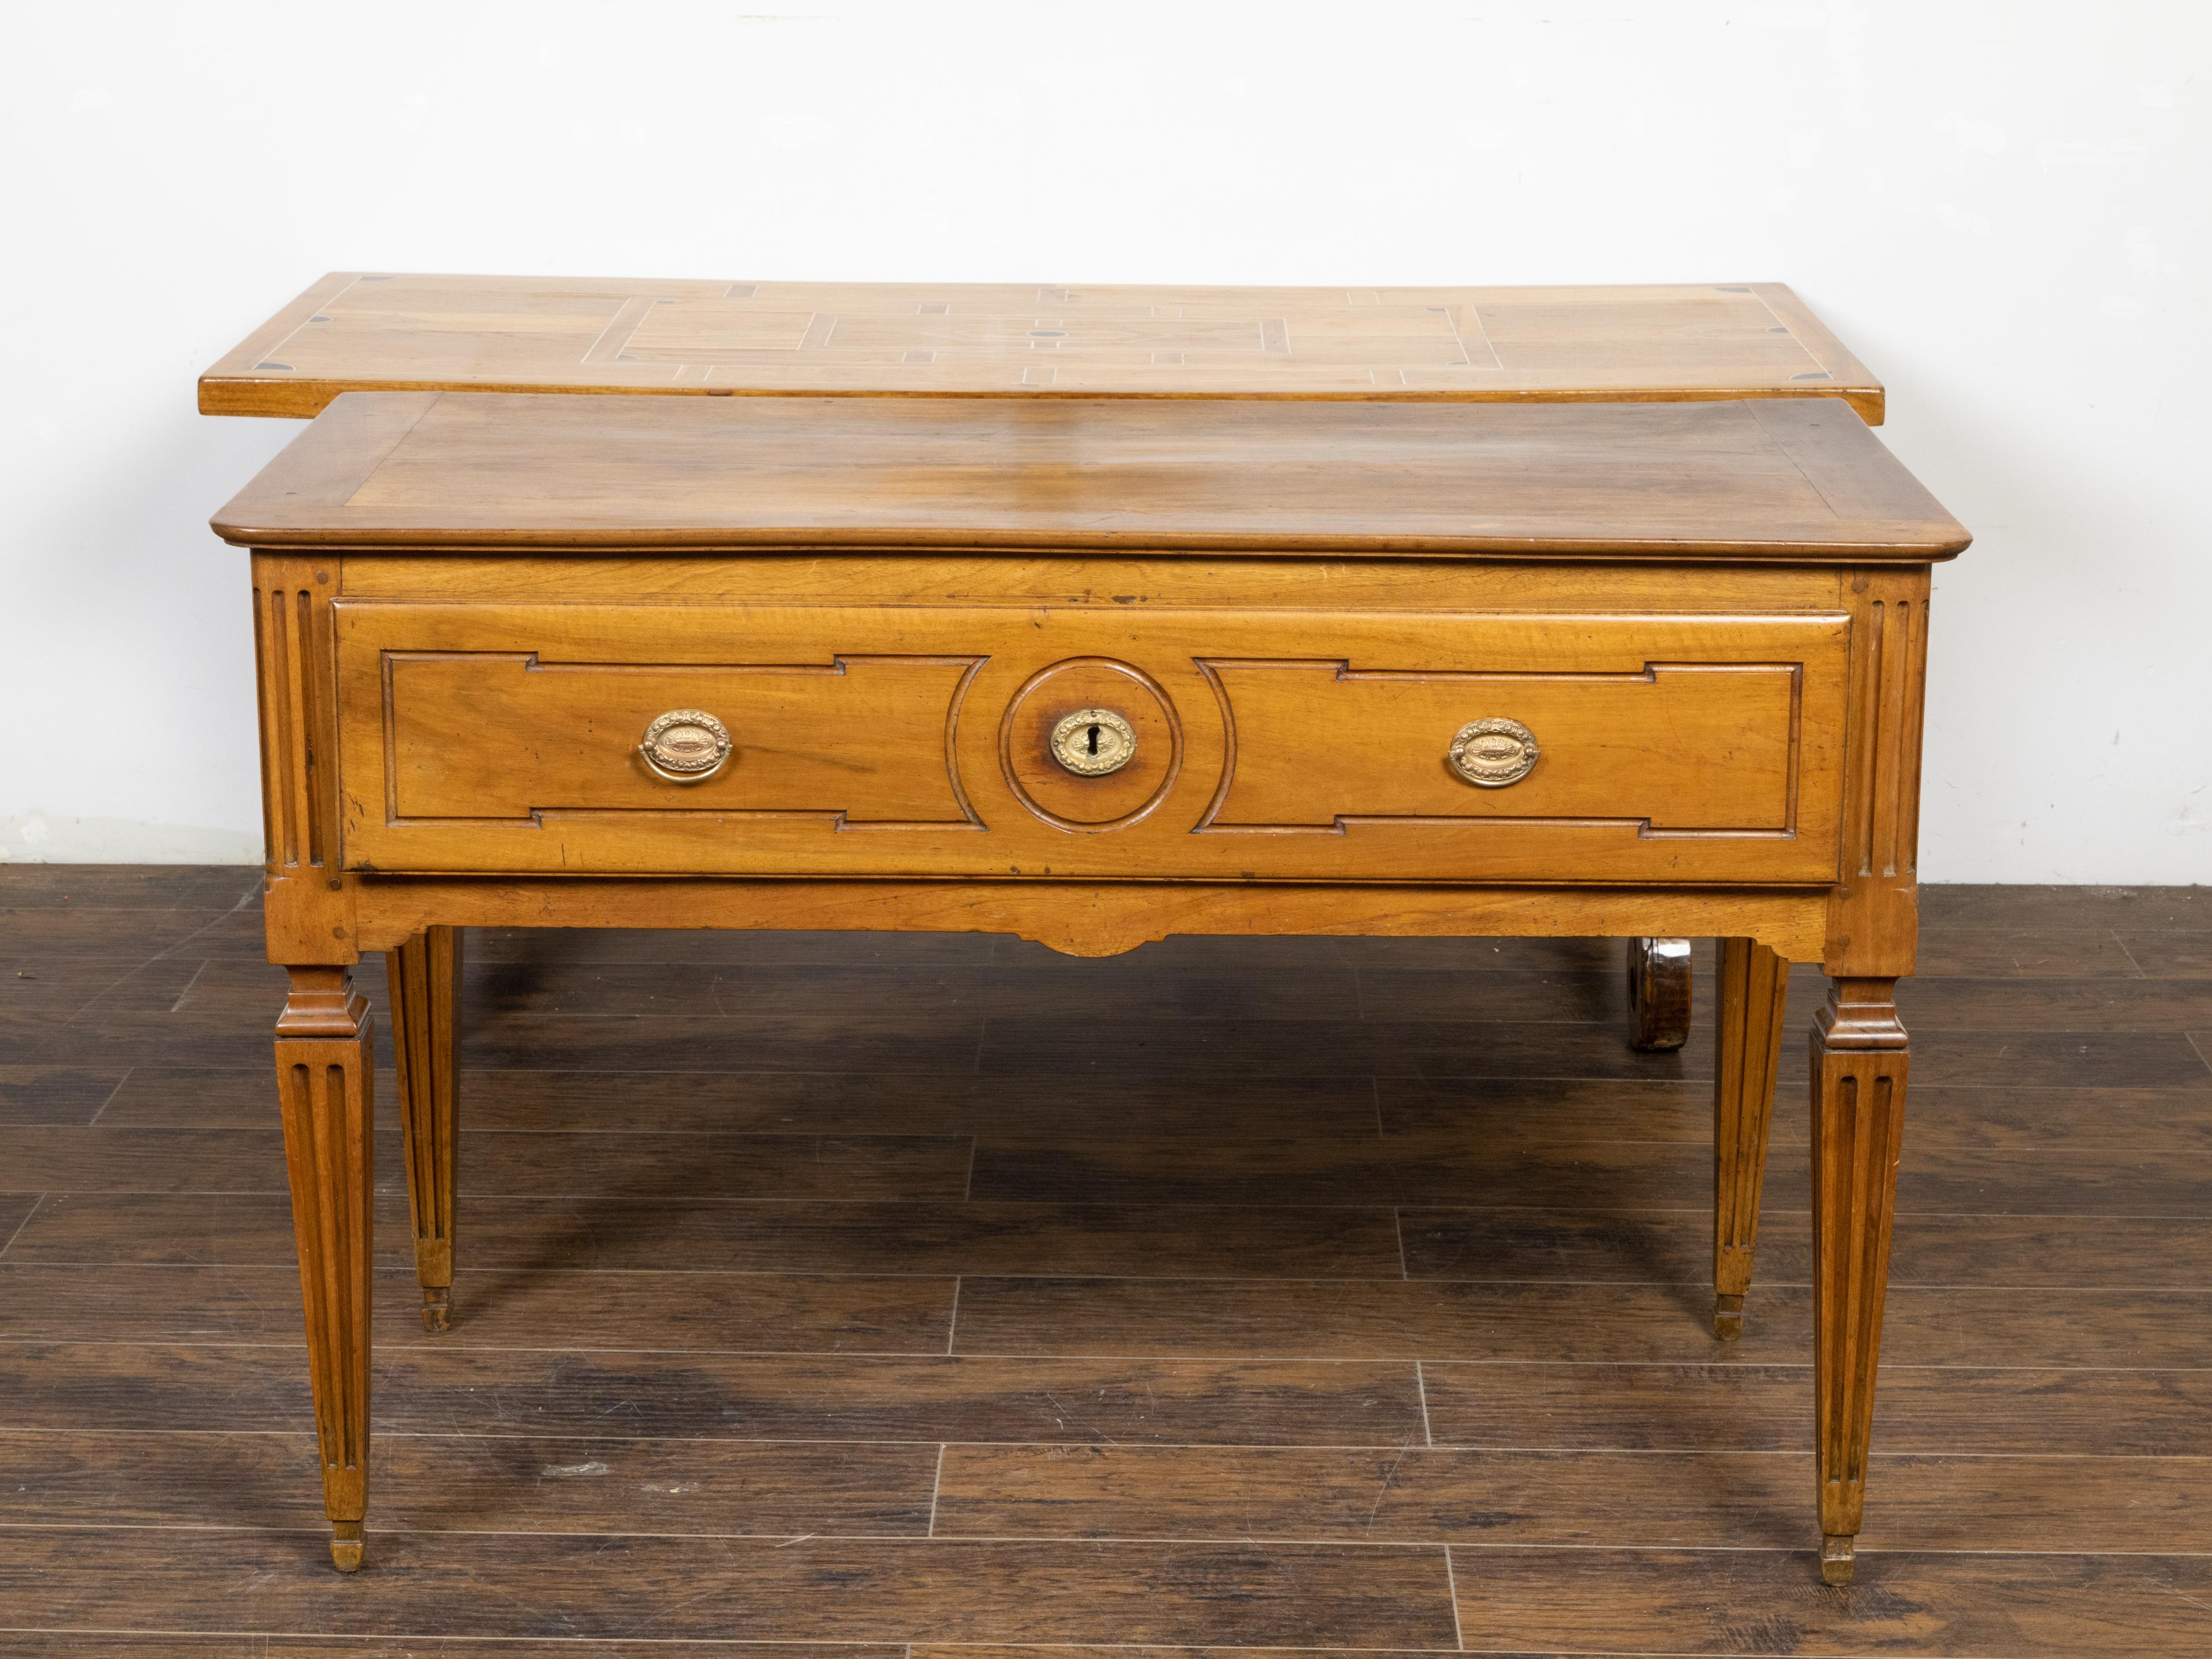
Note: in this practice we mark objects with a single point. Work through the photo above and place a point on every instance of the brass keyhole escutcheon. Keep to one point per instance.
(1493, 753)
(1092, 742)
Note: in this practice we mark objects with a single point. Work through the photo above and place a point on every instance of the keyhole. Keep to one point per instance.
(1094, 739)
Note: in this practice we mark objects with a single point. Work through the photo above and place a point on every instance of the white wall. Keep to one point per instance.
(2002, 206)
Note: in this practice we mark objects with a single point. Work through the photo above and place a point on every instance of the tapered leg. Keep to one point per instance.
(1755, 986)
(425, 978)
(1658, 993)
(1859, 1058)
(325, 1070)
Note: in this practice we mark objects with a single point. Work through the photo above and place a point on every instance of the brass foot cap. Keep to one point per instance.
(1728, 1317)
(437, 1310)
(1836, 1549)
(345, 1545)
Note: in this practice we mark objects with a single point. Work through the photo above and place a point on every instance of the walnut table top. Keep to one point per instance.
(360, 331)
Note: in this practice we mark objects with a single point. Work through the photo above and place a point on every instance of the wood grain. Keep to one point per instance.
(757, 1165)
(447, 1388)
(807, 1589)
(474, 1483)
(882, 741)
(523, 1482)
(424, 980)
(865, 1237)
(2004, 1410)
(1107, 918)
(1449, 1159)
(2027, 1252)
(908, 1314)
(325, 1091)
(354, 331)
(1445, 1320)
(1717, 481)
(55, 1645)
(1713, 1500)
(1755, 986)
(1987, 1606)
(421, 471)
(918, 1237)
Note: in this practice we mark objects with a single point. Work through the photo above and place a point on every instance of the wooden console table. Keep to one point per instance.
(369, 331)
(1094, 673)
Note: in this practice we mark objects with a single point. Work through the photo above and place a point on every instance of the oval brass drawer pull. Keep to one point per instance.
(1092, 742)
(1493, 752)
(685, 745)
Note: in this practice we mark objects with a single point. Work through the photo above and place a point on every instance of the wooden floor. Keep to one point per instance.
(1292, 1294)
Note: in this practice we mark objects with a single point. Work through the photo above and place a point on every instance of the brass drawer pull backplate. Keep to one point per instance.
(1493, 753)
(685, 745)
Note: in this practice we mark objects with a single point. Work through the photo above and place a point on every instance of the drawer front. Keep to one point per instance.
(920, 740)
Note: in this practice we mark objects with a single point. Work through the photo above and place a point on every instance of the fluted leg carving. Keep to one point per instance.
(1658, 993)
(324, 1072)
(1755, 986)
(425, 978)
(1859, 1059)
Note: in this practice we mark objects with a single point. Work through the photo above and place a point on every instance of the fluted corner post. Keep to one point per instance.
(1859, 1056)
(326, 1061)
(1755, 989)
(1859, 1051)
(424, 974)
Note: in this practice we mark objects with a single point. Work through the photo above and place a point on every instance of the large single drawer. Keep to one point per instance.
(503, 738)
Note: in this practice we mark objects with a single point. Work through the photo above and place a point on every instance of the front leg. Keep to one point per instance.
(325, 1061)
(1859, 1059)
(424, 977)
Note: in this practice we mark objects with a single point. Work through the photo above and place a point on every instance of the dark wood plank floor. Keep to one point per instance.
(941, 1293)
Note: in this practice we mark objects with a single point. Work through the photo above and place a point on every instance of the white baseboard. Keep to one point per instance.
(35, 838)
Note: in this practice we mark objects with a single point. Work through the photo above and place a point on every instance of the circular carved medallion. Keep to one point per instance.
(1493, 753)
(1090, 744)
